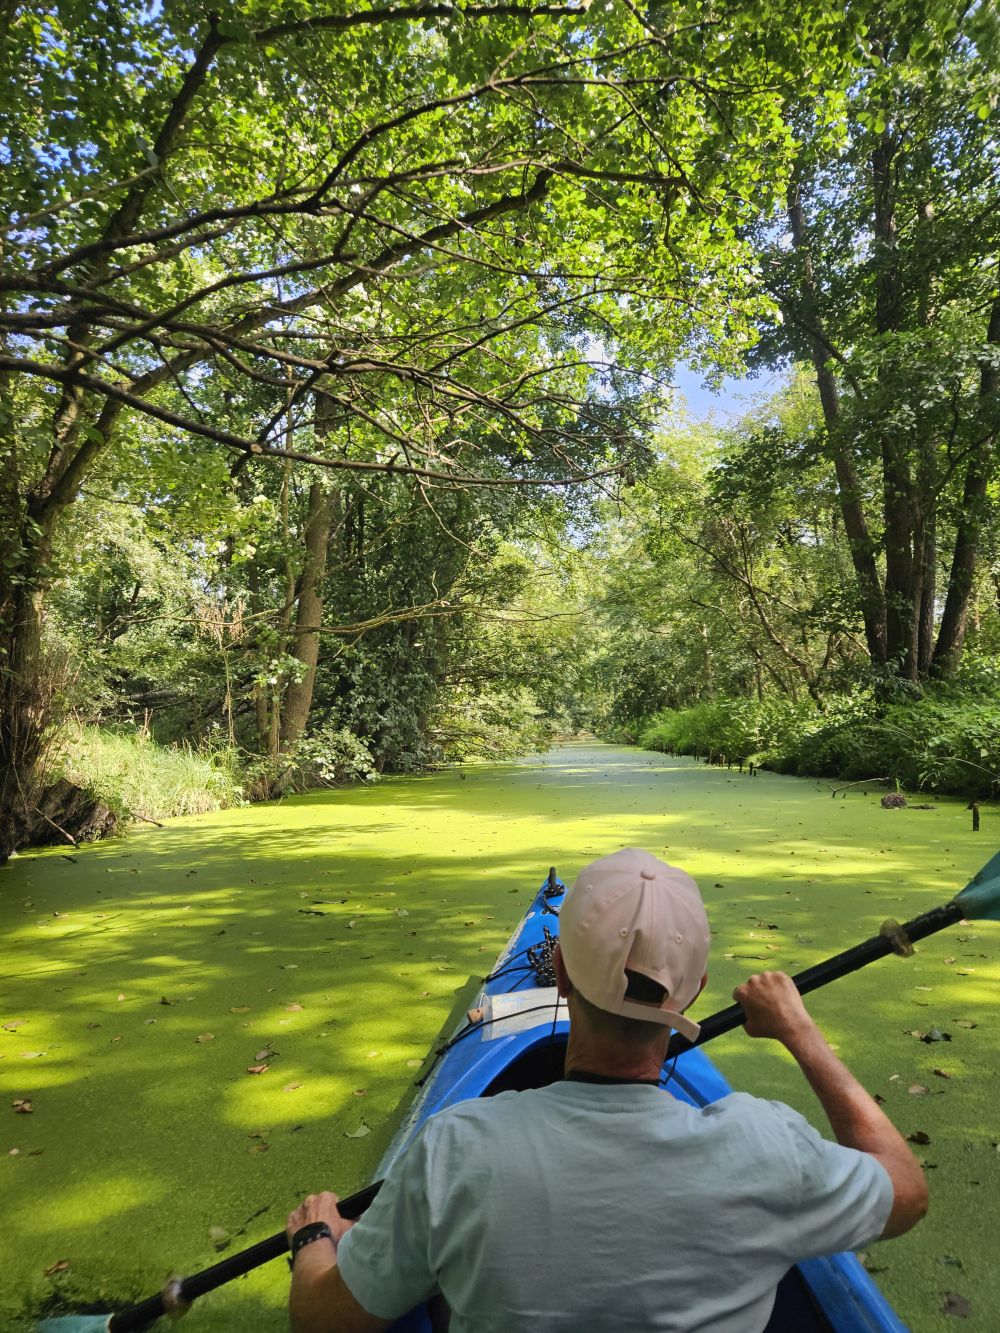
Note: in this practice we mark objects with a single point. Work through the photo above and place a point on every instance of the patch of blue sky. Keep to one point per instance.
(724, 403)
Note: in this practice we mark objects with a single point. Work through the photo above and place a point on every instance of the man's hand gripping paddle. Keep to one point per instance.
(978, 901)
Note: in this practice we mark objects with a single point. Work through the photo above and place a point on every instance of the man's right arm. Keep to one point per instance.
(774, 1008)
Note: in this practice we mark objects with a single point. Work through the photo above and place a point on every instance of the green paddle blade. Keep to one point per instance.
(980, 899)
(75, 1323)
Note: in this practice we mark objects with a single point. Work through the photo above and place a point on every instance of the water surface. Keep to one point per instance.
(326, 937)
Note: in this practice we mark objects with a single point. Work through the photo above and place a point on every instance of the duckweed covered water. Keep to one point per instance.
(321, 942)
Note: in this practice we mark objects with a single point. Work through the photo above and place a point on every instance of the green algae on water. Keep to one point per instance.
(327, 936)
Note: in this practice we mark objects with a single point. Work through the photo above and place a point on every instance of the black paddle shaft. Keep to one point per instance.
(140, 1316)
(829, 970)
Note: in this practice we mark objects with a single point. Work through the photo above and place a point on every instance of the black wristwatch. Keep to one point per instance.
(306, 1235)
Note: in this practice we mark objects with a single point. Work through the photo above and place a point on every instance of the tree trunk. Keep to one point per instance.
(859, 540)
(848, 484)
(928, 594)
(308, 617)
(902, 569)
(975, 506)
(25, 691)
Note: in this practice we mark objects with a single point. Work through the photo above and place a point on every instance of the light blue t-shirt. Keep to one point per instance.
(617, 1207)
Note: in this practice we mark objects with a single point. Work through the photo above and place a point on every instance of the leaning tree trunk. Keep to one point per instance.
(859, 539)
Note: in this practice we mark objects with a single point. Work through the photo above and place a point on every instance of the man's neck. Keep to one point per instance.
(613, 1061)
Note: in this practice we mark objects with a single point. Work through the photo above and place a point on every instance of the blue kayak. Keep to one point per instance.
(515, 1038)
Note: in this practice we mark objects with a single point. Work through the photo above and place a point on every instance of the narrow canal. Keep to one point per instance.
(211, 1019)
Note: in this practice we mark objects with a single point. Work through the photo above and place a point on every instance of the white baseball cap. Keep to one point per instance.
(631, 910)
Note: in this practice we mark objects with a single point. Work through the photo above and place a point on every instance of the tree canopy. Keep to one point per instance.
(322, 329)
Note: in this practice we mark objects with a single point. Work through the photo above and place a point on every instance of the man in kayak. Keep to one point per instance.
(597, 1202)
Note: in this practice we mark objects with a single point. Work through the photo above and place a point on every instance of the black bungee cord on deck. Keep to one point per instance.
(468, 1030)
(538, 962)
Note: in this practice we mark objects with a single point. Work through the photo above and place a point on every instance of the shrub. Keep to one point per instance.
(327, 756)
(133, 775)
(740, 729)
(946, 741)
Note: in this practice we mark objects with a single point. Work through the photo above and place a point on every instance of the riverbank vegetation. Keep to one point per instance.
(336, 426)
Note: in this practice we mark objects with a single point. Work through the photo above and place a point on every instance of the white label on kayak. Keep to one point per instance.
(519, 1011)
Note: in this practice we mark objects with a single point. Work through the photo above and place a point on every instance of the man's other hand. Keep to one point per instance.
(773, 1007)
(318, 1208)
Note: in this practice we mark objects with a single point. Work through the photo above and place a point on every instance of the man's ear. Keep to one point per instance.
(704, 983)
(565, 986)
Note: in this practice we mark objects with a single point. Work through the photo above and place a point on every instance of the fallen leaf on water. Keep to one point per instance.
(164, 1000)
(956, 1305)
(965, 1023)
(93, 1025)
(289, 967)
(22, 1106)
(294, 1008)
(414, 1064)
(219, 1237)
(120, 1037)
(14, 1024)
(290, 1087)
(121, 995)
(240, 1009)
(205, 1036)
(360, 1092)
(256, 1148)
(262, 1069)
(916, 1089)
(918, 1136)
(358, 1133)
(60, 1266)
(31, 1055)
(942, 1073)
(14, 1152)
(265, 1054)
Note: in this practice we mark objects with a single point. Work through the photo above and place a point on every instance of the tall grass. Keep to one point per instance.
(133, 775)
